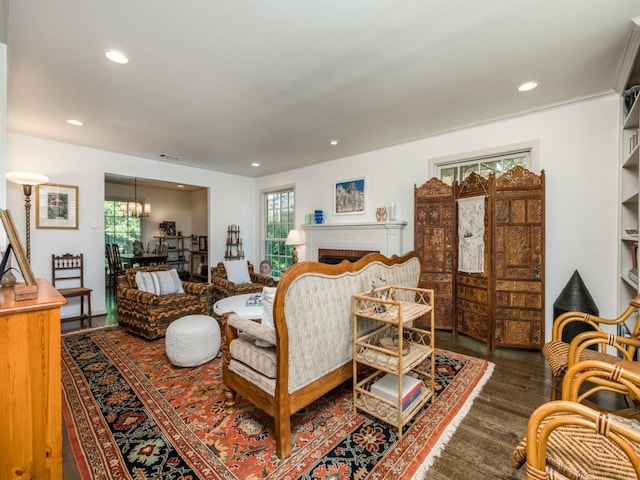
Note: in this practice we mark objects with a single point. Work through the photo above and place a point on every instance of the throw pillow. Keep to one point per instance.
(237, 271)
(268, 295)
(164, 282)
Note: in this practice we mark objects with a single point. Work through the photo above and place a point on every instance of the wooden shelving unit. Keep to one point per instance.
(178, 252)
(235, 250)
(404, 317)
(629, 178)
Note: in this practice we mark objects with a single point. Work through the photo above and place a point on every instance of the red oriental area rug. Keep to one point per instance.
(130, 414)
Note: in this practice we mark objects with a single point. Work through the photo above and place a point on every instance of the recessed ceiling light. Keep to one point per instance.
(180, 186)
(255, 164)
(334, 142)
(77, 123)
(526, 86)
(116, 56)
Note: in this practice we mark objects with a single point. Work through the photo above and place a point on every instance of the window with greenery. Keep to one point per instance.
(496, 164)
(120, 228)
(279, 219)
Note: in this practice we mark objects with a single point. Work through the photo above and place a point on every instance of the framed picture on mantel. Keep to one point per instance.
(349, 196)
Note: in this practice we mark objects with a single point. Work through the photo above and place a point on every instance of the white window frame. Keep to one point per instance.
(530, 148)
(288, 255)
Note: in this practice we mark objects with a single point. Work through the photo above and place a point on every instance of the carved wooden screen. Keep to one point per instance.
(435, 243)
(519, 258)
(473, 291)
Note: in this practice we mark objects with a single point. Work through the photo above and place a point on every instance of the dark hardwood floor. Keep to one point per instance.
(481, 446)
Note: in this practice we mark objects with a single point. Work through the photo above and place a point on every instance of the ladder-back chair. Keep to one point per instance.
(67, 276)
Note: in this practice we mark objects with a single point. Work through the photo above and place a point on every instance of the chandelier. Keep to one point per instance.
(134, 208)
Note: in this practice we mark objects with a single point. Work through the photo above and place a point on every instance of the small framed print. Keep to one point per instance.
(349, 196)
(56, 206)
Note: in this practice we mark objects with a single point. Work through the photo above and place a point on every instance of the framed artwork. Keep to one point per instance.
(349, 196)
(56, 206)
(16, 246)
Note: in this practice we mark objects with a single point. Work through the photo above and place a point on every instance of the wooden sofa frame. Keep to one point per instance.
(282, 405)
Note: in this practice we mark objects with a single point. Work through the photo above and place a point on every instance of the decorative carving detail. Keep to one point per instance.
(519, 177)
(433, 187)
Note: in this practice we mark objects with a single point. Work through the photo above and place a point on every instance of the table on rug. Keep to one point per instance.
(238, 304)
(144, 259)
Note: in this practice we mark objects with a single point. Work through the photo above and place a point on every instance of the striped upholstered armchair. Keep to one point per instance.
(149, 313)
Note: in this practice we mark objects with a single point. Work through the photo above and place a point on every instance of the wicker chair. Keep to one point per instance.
(223, 288)
(569, 440)
(558, 356)
(149, 315)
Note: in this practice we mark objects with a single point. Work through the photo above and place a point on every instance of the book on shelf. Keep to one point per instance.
(387, 388)
(254, 300)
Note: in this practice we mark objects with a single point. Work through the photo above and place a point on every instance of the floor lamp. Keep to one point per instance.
(27, 180)
(294, 238)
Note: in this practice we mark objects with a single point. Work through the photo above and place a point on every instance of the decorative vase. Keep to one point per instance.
(319, 216)
(381, 214)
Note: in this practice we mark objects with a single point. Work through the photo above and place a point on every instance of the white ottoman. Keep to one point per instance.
(192, 340)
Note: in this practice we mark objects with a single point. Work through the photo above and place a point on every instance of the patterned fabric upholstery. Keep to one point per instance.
(223, 288)
(149, 315)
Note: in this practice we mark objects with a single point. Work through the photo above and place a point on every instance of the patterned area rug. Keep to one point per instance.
(131, 414)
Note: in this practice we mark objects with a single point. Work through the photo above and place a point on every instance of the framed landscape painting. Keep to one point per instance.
(349, 196)
(56, 206)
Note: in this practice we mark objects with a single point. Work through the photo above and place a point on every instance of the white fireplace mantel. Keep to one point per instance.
(385, 237)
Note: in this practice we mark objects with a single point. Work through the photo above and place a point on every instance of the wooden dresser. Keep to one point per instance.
(30, 386)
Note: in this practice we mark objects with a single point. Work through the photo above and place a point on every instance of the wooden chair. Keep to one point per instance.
(67, 276)
(560, 356)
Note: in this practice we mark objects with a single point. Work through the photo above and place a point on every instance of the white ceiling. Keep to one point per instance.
(223, 83)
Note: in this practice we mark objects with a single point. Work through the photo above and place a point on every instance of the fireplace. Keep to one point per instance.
(333, 256)
(351, 241)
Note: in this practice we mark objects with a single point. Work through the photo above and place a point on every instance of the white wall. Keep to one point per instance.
(578, 151)
(231, 201)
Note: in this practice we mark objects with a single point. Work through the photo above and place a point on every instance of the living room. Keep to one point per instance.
(576, 141)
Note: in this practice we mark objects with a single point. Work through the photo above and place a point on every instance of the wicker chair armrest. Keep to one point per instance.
(591, 376)
(595, 321)
(622, 345)
(568, 318)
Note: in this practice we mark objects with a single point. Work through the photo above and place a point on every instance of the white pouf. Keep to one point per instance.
(192, 340)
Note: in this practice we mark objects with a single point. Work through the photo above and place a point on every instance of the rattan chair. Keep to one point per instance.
(569, 440)
(556, 351)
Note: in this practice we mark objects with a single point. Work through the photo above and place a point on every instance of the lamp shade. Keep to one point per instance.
(26, 178)
(294, 238)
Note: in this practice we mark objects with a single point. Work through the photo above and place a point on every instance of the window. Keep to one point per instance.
(496, 164)
(279, 219)
(120, 228)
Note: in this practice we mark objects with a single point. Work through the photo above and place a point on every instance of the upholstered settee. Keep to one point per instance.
(224, 286)
(148, 314)
(313, 324)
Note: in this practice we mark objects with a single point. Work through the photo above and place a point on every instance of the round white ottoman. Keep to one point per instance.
(192, 340)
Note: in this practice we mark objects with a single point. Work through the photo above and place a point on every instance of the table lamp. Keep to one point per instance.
(294, 238)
